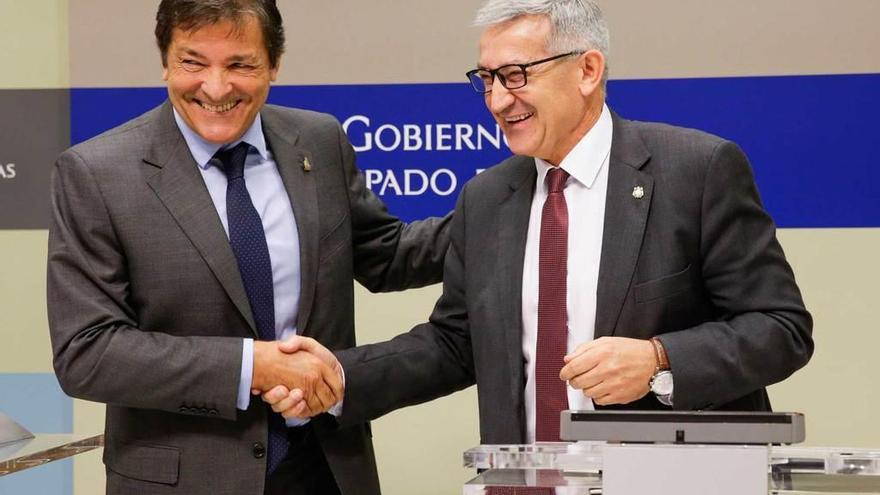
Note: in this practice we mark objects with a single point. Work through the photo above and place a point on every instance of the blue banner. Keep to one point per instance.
(811, 139)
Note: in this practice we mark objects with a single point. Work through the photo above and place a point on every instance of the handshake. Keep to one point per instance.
(298, 377)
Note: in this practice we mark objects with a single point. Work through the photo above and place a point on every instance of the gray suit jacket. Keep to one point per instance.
(147, 310)
(695, 261)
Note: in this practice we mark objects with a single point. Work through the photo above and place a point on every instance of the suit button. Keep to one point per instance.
(182, 409)
(212, 412)
(259, 450)
(203, 410)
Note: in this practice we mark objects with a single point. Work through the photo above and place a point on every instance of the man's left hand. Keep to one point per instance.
(288, 403)
(611, 370)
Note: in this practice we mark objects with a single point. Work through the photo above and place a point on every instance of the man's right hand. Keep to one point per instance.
(288, 402)
(311, 369)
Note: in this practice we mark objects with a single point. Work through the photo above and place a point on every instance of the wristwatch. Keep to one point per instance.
(661, 383)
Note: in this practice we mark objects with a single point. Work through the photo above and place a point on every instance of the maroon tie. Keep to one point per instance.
(550, 391)
(546, 480)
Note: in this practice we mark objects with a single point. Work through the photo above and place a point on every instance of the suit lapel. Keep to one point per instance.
(182, 190)
(513, 226)
(625, 218)
(302, 191)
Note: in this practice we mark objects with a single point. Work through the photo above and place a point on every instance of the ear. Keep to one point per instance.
(592, 67)
(165, 73)
(273, 72)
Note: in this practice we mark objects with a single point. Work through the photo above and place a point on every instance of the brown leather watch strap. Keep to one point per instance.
(660, 354)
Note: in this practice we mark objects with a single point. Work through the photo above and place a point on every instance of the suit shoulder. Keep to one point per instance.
(300, 118)
(498, 178)
(124, 138)
(674, 136)
(674, 149)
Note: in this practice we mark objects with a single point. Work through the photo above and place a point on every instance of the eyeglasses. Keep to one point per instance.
(512, 76)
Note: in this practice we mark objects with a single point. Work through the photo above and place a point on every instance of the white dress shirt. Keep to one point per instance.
(585, 191)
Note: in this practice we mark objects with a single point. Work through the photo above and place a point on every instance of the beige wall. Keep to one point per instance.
(347, 41)
(23, 321)
(837, 271)
(34, 40)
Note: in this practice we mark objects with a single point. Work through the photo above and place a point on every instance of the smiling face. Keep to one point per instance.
(562, 99)
(218, 78)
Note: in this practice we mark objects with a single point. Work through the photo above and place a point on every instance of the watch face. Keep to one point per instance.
(661, 384)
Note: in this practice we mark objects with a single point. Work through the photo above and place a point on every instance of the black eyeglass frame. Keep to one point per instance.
(495, 73)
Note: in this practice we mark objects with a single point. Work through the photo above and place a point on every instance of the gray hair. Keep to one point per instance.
(576, 24)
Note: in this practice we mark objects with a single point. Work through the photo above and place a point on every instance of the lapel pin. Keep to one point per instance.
(307, 166)
(638, 192)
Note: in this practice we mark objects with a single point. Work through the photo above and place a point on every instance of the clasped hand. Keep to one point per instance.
(611, 370)
(306, 373)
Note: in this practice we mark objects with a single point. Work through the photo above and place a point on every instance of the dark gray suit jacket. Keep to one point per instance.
(147, 310)
(695, 261)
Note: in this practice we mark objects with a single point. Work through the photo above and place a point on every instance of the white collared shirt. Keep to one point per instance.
(585, 191)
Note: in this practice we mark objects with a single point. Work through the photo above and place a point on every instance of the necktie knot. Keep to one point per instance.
(232, 160)
(556, 178)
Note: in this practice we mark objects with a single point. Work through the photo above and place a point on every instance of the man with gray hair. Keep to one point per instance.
(610, 263)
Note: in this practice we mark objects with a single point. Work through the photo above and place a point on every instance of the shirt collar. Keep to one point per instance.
(585, 160)
(202, 151)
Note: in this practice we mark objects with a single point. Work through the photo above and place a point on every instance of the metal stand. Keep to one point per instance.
(684, 469)
(10, 431)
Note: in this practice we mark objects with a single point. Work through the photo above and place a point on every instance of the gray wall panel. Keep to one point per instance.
(34, 129)
(388, 41)
(698, 38)
(108, 52)
(336, 42)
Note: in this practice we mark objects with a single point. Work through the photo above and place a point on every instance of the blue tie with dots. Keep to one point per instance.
(248, 241)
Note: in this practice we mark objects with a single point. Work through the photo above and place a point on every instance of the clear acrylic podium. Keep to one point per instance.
(20, 449)
(579, 468)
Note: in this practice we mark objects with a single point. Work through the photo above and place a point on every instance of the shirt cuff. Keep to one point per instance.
(336, 410)
(247, 374)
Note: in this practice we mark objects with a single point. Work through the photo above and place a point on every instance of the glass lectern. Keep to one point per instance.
(667, 466)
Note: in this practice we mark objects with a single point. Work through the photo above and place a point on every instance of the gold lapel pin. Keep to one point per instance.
(638, 192)
(307, 166)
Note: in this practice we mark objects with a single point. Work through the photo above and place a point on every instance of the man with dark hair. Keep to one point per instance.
(187, 243)
(191, 16)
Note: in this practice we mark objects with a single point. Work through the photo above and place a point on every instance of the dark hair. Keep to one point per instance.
(190, 15)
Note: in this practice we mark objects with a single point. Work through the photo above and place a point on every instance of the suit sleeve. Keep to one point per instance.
(389, 254)
(763, 333)
(431, 360)
(99, 353)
